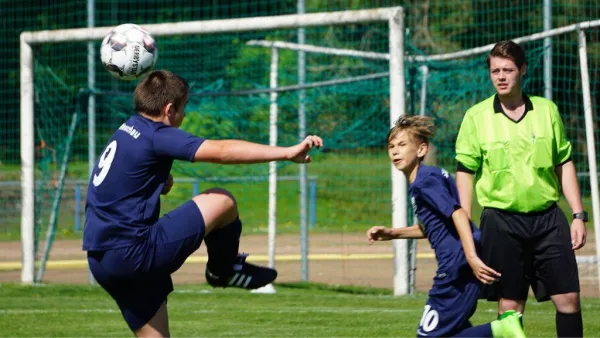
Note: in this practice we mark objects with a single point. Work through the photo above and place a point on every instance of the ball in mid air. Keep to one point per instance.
(128, 52)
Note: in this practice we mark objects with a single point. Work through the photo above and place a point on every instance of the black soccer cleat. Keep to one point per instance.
(244, 275)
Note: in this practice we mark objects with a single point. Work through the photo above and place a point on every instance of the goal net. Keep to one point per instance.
(273, 80)
(239, 89)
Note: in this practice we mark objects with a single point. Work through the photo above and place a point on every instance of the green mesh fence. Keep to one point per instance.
(352, 173)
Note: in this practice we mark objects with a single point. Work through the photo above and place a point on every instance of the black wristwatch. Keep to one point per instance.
(581, 215)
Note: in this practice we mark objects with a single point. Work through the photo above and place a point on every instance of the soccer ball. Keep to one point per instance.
(128, 52)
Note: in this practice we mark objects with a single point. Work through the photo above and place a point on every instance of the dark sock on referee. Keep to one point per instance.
(569, 324)
(222, 246)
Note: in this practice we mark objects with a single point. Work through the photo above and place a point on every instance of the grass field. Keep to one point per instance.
(297, 310)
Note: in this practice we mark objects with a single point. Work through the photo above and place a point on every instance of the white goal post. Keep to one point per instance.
(394, 16)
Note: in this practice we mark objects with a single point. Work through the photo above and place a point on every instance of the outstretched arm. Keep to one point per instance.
(243, 152)
(381, 233)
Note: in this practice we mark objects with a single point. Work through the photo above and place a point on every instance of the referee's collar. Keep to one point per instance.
(498, 106)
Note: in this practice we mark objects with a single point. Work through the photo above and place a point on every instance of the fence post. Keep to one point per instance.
(77, 207)
(312, 207)
(195, 188)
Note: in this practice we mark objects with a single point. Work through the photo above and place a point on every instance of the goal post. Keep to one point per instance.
(393, 16)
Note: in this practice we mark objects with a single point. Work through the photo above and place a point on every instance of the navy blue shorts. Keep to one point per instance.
(449, 308)
(138, 277)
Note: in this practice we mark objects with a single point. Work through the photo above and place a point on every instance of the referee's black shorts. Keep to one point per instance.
(528, 249)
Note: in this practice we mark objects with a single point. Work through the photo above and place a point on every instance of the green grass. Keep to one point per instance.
(297, 310)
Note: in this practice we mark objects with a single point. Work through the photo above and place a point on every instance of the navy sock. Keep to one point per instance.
(222, 246)
(569, 324)
(484, 330)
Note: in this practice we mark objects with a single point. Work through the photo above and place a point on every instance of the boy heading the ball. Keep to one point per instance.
(131, 250)
(453, 297)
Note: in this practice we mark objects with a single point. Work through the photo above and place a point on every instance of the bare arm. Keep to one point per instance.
(567, 175)
(381, 233)
(463, 226)
(464, 183)
(238, 152)
(243, 152)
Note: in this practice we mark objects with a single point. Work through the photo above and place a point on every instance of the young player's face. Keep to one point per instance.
(404, 152)
(505, 76)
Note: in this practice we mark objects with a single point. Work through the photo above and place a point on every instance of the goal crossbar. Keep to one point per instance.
(319, 49)
(221, 26)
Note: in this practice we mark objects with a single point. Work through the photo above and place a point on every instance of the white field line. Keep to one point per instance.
(41, 311)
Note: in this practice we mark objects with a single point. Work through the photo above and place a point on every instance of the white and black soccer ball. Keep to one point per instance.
(128, 52)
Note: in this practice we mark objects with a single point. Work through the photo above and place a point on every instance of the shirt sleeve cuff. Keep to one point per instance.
(564, 162)
(461, 167)
(195, 147)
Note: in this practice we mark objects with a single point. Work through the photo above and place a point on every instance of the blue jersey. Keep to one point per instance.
(435, 197)
(123, 198)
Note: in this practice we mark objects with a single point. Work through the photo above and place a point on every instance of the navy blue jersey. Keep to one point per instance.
(435, 197)
(123, 198)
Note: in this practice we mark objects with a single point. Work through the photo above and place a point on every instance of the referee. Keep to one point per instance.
(514, 147)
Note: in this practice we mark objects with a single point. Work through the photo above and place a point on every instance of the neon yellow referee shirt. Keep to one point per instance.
(513, 161)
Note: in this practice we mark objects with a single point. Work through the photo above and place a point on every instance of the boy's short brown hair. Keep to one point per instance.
(158, 89)
(509, 50)
(420, 128)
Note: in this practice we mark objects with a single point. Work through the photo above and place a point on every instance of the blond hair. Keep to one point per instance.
(419, 128)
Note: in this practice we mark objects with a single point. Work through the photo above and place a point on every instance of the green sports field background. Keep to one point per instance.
(351, 175)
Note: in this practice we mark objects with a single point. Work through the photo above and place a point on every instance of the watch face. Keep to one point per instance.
(581, 215)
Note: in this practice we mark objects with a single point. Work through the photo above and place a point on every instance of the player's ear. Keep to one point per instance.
(523, 69)
(422, 151)
(167, 109)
